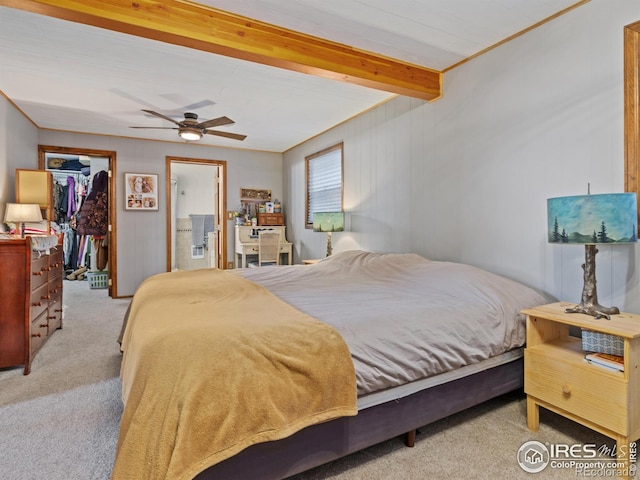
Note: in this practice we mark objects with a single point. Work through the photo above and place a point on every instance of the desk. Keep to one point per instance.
(246, 242)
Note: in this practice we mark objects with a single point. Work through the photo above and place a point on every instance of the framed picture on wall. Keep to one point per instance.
(255, 195)
(141, 191)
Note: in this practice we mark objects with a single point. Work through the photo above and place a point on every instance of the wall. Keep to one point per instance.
(141, 236)
(466, 178)
(18, 149)
(196, 189)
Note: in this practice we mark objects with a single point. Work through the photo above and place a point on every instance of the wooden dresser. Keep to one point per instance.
(31, 299)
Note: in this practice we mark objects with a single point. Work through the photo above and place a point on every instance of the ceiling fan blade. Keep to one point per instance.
(169, 119)
(197, 105)
(216, 122)
(234, 136)
(159, 128)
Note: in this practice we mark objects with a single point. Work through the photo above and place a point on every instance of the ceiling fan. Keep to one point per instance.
(191, 129)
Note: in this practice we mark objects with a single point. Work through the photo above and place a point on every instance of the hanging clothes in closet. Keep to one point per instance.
(94, 217)
(70, 189)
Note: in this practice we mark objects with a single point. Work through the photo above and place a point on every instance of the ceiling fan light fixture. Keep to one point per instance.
(191, 130)
(190, 133)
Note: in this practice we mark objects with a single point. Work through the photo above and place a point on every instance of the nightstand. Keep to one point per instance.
(557, 377)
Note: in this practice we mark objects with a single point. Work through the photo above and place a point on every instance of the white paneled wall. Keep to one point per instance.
(466, 178)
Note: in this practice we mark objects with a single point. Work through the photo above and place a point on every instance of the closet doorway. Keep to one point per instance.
(76, 172)
(196, 202)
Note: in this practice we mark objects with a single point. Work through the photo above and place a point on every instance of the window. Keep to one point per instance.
(324, 182)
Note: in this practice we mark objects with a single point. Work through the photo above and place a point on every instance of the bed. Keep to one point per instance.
(264, 373)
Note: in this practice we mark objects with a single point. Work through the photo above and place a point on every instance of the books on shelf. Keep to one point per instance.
(615, 362)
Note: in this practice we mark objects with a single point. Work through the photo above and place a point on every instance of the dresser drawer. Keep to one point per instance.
(56, 270)
(54, 313)
(55, 284)
(271, 219)
(588, 391)
(39, 331)
(39, 270)
(55, 257)
(39, 300)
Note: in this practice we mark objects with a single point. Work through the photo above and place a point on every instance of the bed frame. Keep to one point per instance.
(322, 443)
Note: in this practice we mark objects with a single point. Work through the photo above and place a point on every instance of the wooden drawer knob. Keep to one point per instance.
(36, 304)
(44, 325)
(37, 274)
(36, 334)
(566, 390)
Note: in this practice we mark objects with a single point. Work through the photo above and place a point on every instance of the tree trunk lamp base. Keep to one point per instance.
(589, 302)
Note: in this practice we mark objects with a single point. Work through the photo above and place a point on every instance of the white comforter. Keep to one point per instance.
(402, 316)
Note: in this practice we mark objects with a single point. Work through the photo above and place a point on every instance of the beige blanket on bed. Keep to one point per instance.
(214, 363)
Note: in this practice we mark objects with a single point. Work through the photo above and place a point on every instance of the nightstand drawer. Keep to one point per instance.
(587, 391)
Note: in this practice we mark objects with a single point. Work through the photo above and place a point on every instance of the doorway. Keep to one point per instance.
(196, 202)
(73, 171)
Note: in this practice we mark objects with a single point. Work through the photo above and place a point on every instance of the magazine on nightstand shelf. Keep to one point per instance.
(615, 362)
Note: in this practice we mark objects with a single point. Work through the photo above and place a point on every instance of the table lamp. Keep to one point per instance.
(590, 220)
(21, 213)
(328, 222)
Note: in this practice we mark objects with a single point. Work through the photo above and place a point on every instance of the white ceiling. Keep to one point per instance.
(73, 77)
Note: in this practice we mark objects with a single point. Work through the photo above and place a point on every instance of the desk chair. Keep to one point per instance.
(268, 248)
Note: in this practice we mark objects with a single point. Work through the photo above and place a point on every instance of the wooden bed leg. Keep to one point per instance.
(410, 438)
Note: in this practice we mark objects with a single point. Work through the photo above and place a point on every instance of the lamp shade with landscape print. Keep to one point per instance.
(591, 220)
(328, 222)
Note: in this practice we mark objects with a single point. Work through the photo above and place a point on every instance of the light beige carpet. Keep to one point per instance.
(61, 421)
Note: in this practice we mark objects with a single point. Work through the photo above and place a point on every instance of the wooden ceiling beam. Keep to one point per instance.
(190, 25)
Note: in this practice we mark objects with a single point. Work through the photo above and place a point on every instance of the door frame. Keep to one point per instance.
(222, 204)
(632, 110)
(112, 245)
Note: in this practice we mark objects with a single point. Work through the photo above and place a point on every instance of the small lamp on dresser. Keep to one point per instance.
(328, 222)
(592, 220)
(21, 213)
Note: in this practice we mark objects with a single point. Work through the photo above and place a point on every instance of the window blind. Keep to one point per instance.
(324, 182)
